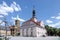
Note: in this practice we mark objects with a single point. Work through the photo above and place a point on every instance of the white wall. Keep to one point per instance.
(20, 32)
(40, 31)
(37, 30)
(29, 32)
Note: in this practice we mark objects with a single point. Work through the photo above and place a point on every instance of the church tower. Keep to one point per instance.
(17, 25)
(15, 29)
(34, 15)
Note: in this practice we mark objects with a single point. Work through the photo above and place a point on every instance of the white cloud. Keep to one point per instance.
(1, 16)
(2, 23)
(15, 6)
(58, 17)
(17, 18)
(5, 9)
(55, 24)
(58, 13)
(53, 17)
(49, 21)
(12, 21)
(55, 21)
(52, 25)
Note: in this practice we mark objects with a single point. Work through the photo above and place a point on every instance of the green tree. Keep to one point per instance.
(58, 32)
(51, 31)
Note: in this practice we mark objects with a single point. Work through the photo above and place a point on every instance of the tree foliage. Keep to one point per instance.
(51, 31)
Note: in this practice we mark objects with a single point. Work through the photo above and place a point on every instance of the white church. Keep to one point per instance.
(32, 27)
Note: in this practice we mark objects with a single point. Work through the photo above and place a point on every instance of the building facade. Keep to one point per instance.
(32, 27)
(15, 29)
(3, 31)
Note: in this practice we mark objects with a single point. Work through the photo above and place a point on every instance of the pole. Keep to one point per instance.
(5, 28)
(0, 29)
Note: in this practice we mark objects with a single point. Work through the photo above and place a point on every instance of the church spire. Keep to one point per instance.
(33, 12)
(17, 18)
(33, 15)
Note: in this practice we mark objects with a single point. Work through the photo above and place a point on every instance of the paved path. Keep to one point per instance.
(34, 38)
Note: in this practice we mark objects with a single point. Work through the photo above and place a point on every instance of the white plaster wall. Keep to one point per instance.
(20, 32)
(40, 31)
(37, 31)
(34, 31)
(29, 32)
(24, 32)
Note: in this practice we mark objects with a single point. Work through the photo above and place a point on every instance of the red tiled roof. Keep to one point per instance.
(37, 23)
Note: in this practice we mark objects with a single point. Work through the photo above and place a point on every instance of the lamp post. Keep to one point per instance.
(0, 29)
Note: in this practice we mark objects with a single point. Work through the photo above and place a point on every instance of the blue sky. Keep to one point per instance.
(46, 10)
